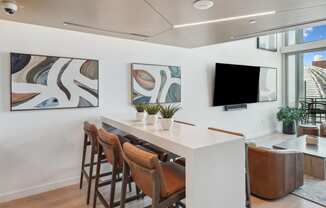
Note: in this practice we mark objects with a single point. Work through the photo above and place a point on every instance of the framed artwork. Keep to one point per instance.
(49, 82)
(267, 42)
(155, 83)
(267, 84)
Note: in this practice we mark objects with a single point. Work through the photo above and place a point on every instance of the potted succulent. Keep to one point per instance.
(151, 110)
(140, 108)
(167, 113)
(289, 116)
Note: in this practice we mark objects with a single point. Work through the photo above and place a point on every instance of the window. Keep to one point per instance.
(305, 69)
(305, 73)
(306, 35)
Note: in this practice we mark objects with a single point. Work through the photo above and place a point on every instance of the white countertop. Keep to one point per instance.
(215, 161)
(192, 137)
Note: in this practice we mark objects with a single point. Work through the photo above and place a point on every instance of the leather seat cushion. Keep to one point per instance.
(174, 178)
(140, 156)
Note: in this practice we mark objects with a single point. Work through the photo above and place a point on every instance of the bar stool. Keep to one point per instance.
(110, 145)
(162, 154)
(90, 140)
(163, 182)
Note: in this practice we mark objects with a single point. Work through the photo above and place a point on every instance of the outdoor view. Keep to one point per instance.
(315, 64)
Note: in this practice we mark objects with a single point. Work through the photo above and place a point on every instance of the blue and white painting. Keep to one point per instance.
(155, 83)
(48, 82)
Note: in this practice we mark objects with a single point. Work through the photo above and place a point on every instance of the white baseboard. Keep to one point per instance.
(4, 197)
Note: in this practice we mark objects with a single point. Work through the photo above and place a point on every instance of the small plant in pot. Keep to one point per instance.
(167, 113)
(151, 110)
(289, 116)
(140, 108)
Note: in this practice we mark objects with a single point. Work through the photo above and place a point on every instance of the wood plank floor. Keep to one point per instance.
(72, 197)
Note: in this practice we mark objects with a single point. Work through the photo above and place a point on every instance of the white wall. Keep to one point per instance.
(40, 150)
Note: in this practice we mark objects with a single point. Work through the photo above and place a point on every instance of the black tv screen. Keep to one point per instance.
(236, 84)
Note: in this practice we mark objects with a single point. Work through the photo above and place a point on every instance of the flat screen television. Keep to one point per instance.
(236, 84)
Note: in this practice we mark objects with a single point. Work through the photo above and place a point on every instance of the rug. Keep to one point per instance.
(313, 190)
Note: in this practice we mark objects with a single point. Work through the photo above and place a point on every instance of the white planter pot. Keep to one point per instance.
(166, 123)
(140, 116)
(151, 119)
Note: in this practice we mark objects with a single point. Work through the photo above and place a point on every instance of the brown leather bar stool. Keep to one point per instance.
(307, 130)
(163, 182)
(162, 154)
(90, 140)
(110, 145)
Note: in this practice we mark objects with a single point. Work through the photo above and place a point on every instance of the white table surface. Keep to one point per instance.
(215, 162)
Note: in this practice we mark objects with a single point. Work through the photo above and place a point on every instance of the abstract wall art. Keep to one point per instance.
(155, 83)
(49, 82)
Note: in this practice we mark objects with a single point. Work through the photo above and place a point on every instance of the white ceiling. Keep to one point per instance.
(153, 20)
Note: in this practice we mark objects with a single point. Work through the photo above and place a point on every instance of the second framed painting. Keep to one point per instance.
(152, 83)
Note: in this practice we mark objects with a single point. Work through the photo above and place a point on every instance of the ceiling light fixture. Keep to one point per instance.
(226, 19)
(203, 4)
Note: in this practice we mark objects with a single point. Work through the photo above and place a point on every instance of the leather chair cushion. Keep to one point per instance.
(174, 178)
(91, 132)
(112, 140)
(139, 156)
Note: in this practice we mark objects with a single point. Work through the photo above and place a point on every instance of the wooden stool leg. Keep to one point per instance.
(83, 162)
(97, 177)
(137, 191)
(114, 179)
(90, 176)
(129, 186)
(125, 179)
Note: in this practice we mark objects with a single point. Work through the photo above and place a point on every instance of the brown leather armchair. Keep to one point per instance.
(274, 173)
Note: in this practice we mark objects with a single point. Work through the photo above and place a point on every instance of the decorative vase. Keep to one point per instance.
(288, 128)
(140, 116)
(166, 123)
(151, 119)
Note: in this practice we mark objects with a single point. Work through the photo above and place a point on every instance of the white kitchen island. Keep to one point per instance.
(215, 162)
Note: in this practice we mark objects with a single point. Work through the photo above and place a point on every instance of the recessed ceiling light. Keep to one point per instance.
(225, 19)
(203, 4)
(252, 21)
